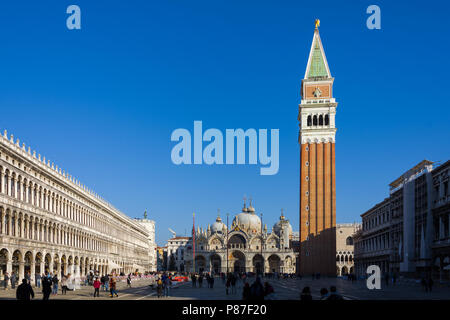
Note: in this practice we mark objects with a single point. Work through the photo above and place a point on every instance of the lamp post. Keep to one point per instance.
(227, 242)
(262, 271)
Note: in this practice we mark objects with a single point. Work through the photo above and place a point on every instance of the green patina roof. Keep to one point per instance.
(317, 64)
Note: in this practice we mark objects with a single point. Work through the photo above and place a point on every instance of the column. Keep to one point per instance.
(16, 189)
(32, 271)
(16, 224)
(8, 192)
(21, 271)
(9, 224)
(50, 266)
(9, 269)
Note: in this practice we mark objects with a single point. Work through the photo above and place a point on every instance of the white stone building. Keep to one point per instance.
(149, 225)
(50, 221)
(246, 247)
(176, 250)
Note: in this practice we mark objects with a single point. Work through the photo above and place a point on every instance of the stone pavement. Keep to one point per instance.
(285, 289)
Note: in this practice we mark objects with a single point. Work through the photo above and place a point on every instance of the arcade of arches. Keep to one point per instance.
(49, 221)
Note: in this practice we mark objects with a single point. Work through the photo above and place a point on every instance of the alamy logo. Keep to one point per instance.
(373, 280)
(213, 153)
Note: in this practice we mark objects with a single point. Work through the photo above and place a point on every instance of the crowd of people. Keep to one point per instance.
(305, 295)
(51, 283)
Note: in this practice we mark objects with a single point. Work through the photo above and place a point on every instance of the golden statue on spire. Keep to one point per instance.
(317, 23)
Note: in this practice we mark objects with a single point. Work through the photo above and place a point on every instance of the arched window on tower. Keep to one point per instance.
(327, 120)
(308, 122)
(320, 120)
(315, 120)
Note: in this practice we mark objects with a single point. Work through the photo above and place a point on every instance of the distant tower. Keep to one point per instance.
(317, 111)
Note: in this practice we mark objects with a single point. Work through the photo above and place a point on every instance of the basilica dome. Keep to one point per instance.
(218, 226)
(282, 223)
(247, 220)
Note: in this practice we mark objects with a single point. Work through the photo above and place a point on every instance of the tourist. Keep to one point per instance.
(24, 291)
(13, 280)
(46, 286)
(129, 280)
(334, 295)
(211, 282)
(227, 285)
(306, 294)
(159, 287)
(112, 287)
(96, 287)
(64, 285)
(55, 282)
(37, 279)
(167, 286)
(5, 280)
(269, 293)
(233, 284)
(106, 282)
(28, 277)
(246, 292)
(323, 294)
(430, 284)
(257, 290)
(194, 280)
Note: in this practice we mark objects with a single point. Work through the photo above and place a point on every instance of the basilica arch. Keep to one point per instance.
(216, 263)
(274, 263)
(258, 263)
(200, 263)
(237, 240)
(237, 261)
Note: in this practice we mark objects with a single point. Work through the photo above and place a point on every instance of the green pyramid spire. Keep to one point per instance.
(318, 66)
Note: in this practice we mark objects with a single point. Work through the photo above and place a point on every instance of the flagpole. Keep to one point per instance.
(193, 240)
(227, 242)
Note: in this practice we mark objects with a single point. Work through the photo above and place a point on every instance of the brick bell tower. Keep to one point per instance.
(316, 115)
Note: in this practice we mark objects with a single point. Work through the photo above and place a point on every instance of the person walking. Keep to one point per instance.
(13, 280)
(129, 280)
(37, 279)
(269, 292)
(112, 287)
(233, 284)
(430, 284)
(102, 281)
(46, 287)
(55, 282)
(246, 292)
(97, 287)
(28, 277)
(167, 286)
(106, 282)
(200, 280)
(323, 294)
(24, 291)
(159, 288)
(194, 280)
(257, 290)
(211, 280)
(64, 285)
(334, 295)
(306, 294)
(227, 285)
(5, 280)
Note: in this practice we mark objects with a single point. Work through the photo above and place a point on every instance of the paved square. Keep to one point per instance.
(285, 289)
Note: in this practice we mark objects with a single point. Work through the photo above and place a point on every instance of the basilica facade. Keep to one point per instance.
(49, 221)
(246, 246)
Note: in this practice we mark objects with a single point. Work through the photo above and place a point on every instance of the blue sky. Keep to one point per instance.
(102, 102)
